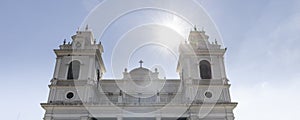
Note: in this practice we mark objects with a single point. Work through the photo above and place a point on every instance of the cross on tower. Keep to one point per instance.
(141, 63)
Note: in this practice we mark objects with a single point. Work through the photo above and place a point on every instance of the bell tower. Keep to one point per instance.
(202, 71)
(203, 59)
(79, 67)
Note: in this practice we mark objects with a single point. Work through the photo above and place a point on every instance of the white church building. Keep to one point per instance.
(78, 91)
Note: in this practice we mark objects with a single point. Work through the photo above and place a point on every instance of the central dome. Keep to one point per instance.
(140, 74)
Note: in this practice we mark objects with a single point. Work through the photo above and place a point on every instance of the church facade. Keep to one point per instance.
(78, 91)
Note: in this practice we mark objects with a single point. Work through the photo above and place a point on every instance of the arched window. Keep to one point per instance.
(74, 69)
(205, 69)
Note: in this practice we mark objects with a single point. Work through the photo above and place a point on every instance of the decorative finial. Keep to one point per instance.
(216, 42)
(64, 41)
(195, 28)
(100, 43)
(86, 27)
(141, 63)
(125, 70)
(155, 70)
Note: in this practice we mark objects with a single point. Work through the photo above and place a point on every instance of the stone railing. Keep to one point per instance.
(70, 46)
(209, 81)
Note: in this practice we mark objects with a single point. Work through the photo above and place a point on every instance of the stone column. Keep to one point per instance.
(47, 118)
(57, 68)
(84, 118)
(119, 117)
(230, 118)
(194, 117)
(158, 117)
(158, 99)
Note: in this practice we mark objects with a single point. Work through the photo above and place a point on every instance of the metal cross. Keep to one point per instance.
(141, 63)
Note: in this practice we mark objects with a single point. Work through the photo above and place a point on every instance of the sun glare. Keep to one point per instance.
(177, 24)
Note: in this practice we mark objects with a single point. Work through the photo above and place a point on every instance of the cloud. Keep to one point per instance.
(266, 74)
(269, 53)
(267, 101)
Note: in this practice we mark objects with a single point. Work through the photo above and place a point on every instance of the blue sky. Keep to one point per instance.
(262, 37)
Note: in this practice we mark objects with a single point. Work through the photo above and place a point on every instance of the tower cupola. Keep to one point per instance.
(198, 39)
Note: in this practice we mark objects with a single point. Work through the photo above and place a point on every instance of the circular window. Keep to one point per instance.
(208, 94)
(70, 95)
